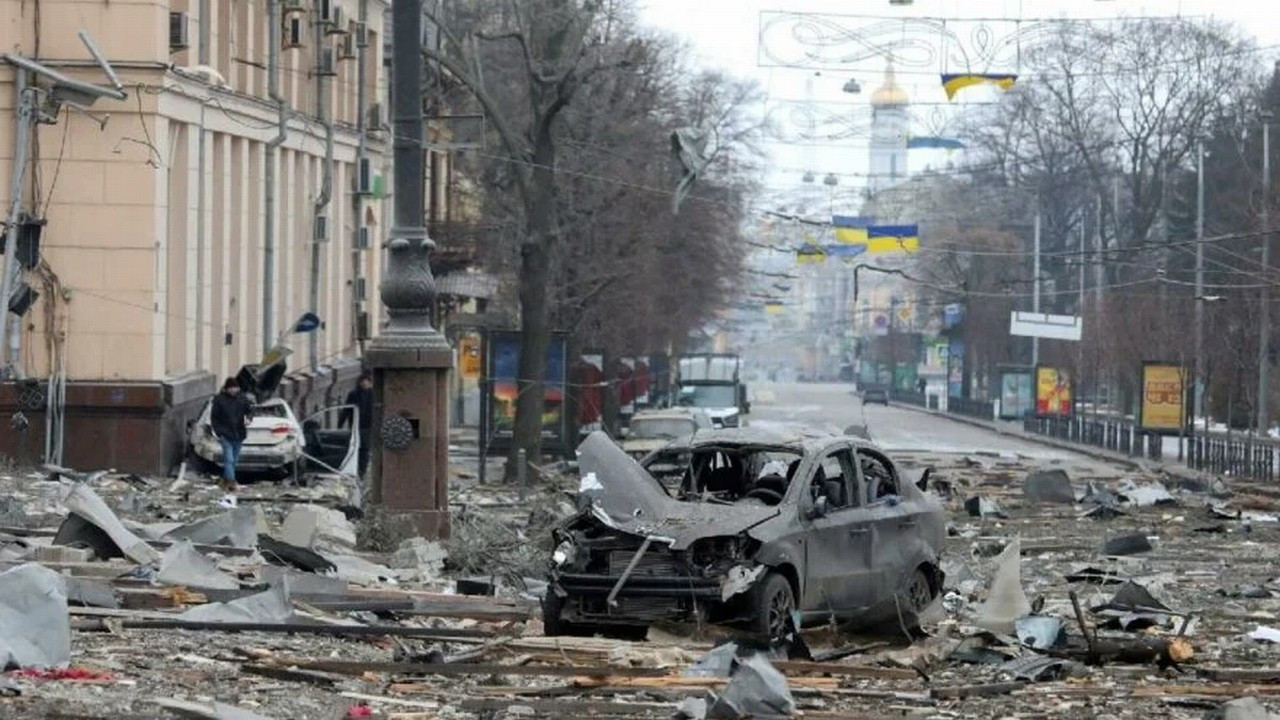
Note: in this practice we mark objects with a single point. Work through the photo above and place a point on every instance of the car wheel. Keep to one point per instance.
(919, 592)
(199, 465)
(774, 602)
(552, 607)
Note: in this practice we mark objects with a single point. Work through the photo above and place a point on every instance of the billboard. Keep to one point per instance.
(1164, 398)
(470, 358)
(1053, 392)
(1017, 394)
(503, 388)
(1041, 325)
(955, 369)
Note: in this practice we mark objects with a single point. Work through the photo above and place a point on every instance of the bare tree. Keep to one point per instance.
(558, 46)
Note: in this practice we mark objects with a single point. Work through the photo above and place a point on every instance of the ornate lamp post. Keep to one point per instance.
(410, 358)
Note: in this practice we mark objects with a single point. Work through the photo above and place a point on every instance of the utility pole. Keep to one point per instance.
(1079, 379)
(1264, 296)
(893, 343)
(411, 359)
(1200, 388)
(25, 115)
(1035, 280)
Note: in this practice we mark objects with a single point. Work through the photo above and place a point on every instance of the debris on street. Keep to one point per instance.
(286, 607)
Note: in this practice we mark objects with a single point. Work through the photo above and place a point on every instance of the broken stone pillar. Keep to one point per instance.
(409, 460)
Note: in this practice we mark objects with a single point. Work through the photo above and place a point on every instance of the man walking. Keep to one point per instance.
(362, 398)
(229, 416)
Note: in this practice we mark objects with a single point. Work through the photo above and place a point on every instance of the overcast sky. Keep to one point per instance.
(727, 34)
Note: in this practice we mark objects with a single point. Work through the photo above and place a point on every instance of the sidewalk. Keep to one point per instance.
(1012, 429)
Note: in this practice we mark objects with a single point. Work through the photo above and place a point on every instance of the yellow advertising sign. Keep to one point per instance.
(1053, 392)
(1164, 398)
(469, 357)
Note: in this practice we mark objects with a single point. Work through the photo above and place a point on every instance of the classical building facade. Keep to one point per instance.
(168, 258)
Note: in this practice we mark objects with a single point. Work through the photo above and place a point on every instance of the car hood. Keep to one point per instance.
(625, 496)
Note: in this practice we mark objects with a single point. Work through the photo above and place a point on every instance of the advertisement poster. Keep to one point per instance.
(588, 379)
(1053, 392)
(1164, 398)
(470, 360)
(1017, 396)
(904, 378)
(955, 369)
(504, 361)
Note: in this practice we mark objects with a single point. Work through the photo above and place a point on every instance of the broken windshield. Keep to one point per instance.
(661, 428)
(709, 396)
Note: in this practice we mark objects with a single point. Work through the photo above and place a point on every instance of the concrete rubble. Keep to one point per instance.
(286, 607)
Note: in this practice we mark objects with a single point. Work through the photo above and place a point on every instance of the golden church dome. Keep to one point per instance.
(890, 93)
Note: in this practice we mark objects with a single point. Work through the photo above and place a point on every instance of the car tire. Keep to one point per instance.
(918, 593)
(199, 465)
(552, 624)
(772, 600)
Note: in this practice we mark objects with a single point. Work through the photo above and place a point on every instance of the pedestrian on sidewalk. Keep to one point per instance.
(230, 417)
(362, 398)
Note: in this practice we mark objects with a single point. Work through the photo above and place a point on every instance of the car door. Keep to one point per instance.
(836, 556)
(889, 521)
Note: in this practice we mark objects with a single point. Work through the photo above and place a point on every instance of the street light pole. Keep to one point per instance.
(1264, 299)
(1199, 330)
(1035, 280)
(410, 359)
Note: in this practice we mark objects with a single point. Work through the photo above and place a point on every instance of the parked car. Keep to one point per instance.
(749, 526)
(277, 442)
(651, 430)
(875, 395)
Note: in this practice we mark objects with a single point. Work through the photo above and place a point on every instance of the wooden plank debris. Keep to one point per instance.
(274, 672)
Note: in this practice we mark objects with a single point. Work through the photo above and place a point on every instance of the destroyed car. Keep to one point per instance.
(277, 442)
(744, 527)
(652, 430)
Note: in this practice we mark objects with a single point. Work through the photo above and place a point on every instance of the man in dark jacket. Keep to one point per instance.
(229, 417)
(362, 398)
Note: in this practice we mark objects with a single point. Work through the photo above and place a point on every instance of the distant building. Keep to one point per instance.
(889, 128)
(152, 285)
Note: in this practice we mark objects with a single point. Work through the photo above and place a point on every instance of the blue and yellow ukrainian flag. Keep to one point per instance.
(955, 82)
(850, 229)
(887, 239)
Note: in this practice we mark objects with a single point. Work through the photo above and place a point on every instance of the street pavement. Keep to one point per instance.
(834, 407)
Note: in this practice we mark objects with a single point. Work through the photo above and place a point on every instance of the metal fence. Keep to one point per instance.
(1234, 455)
(1114, 435)
(980, 409)
(909, 398)
(1238, 456)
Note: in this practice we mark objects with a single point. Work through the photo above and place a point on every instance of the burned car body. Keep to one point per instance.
(749, 526)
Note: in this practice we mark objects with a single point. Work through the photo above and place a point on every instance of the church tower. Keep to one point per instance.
(889, 125)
